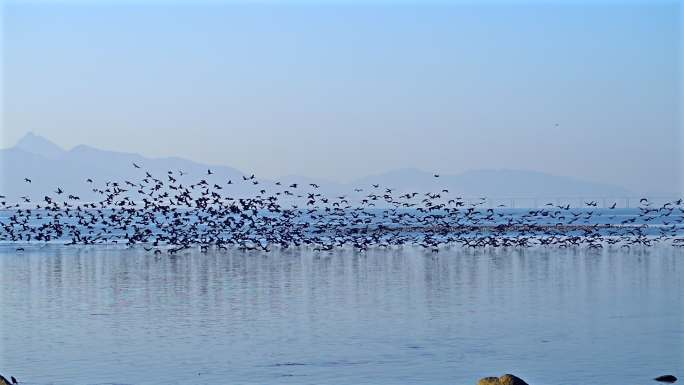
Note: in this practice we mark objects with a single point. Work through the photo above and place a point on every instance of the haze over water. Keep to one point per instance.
(400, 316)
(435, 147)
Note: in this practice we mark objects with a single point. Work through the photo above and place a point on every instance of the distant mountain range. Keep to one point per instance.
(50, 166)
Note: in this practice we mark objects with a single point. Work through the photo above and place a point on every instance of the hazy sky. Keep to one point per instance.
(345, 90)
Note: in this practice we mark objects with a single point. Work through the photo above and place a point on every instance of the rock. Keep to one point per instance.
(506, 379)
(488, 381)
(666, 378)
(4, 381)
(509, 379)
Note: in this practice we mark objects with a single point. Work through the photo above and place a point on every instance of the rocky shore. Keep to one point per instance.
(506, 379)
(509, 379)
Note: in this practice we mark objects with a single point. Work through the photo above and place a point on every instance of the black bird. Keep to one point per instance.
(27, 180)
(135, 165)
(14, 380)
(666, 378)
(209, 172)
(198, 215)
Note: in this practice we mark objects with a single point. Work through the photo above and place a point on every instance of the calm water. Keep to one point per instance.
(95, 316)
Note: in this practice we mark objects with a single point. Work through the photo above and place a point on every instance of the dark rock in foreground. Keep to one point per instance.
(4, 381)
(506, 379)
(666, 378)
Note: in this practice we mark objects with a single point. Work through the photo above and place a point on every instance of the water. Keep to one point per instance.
(107, 315)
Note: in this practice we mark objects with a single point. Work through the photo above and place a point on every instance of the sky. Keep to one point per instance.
(343, 89)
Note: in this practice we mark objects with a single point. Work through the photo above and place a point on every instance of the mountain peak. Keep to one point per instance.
(40, 146)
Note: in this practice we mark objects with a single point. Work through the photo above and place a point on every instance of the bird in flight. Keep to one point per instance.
(199, 215)
(135, 165)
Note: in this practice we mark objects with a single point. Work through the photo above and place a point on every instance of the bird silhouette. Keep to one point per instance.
(169, 215)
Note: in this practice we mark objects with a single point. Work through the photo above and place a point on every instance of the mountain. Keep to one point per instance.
(38, 145)
(50, 166)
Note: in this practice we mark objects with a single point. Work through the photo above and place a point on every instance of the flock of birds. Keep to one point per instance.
(164, 215)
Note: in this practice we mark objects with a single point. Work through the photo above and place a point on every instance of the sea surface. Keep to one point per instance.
(109, 315)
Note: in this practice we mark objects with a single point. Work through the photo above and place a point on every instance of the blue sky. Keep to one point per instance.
(343, 89)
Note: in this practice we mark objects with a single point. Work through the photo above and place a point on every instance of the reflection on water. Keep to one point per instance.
(97, 315)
